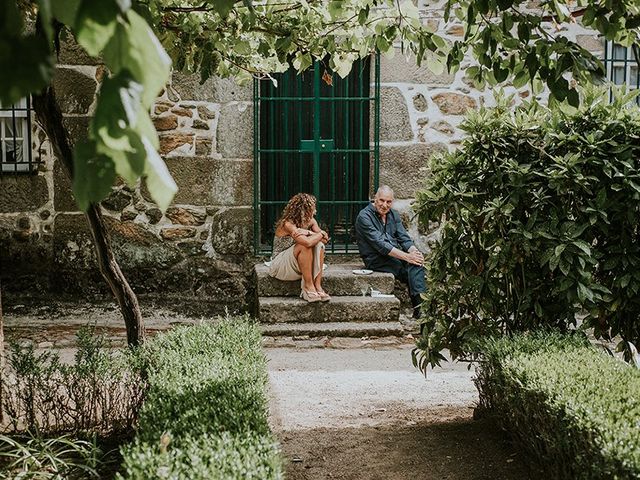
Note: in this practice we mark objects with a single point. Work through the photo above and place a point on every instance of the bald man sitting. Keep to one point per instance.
(385, 245)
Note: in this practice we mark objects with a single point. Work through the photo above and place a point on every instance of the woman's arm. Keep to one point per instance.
(302, 235)
(316, 228)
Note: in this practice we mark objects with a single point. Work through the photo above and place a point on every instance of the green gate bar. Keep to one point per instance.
(326, 150)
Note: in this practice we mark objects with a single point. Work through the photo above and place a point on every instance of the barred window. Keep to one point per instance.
(15, 138)
(622, 64)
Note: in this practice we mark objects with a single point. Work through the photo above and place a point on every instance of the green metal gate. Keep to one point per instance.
(313, 134)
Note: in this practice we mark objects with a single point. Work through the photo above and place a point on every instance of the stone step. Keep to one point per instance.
(334, 329)
(338, 279)
(339, 309)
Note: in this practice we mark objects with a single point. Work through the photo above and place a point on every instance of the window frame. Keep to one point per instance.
(628, 64)
(19, 114)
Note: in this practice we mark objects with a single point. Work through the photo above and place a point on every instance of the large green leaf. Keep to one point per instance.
(159, 181)
(93, 175)
(95, 24)
(26, 66)
(66, 11)
(135, 48)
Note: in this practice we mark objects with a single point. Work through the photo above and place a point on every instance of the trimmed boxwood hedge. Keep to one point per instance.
(575, 408)
(205, 415)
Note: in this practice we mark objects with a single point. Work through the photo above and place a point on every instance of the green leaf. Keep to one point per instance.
(66, 11)
(119, 98)
(435, 64)
(46, 17)
(223, 7)
(135, 48)
(573, 98)
(93, 175)
(11, 23)
(521, 79)
(159, 181)
(95, 24)
(26, 67)
(582, 245)
(584, 293)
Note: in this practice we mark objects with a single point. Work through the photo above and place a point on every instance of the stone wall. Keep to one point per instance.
(201, 247)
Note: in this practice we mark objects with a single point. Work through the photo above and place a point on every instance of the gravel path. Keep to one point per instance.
(368, 414)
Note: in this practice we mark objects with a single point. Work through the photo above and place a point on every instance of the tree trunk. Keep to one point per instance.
(50, 117)
(1, 360)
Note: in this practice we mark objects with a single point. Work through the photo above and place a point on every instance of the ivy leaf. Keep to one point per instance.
(93, 175)
(135, 48)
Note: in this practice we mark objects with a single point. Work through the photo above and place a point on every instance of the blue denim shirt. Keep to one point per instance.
(376, 238)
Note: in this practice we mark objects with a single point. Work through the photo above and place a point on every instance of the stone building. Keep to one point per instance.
(236, 154)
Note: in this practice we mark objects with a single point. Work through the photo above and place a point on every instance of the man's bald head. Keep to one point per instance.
(383, 200)
(384, 190)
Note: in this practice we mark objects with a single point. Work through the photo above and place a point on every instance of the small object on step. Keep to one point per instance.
(362, 271)
(379, 294)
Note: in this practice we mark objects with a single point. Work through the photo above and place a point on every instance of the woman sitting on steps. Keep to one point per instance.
(298, 247)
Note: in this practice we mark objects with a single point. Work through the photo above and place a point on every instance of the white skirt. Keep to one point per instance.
(285, 266)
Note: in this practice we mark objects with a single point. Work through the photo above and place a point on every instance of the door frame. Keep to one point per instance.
(316, 147)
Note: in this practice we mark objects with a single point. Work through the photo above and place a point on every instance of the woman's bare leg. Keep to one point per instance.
(317, 281)
(304, 256)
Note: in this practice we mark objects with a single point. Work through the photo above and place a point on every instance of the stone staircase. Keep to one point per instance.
(348, 314)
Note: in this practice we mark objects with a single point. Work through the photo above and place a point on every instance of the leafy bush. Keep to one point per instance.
(574, 408)
(55, 458)
(205, 415)
(540, 210)
(100, 392)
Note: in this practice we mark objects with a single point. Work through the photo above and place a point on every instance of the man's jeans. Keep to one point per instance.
(408, 273)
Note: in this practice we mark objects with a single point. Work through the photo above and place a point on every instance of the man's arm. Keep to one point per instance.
(404, 240)
(412, 255)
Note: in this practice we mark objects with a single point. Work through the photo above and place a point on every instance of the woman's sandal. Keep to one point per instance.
(310, 296)
(324, 296)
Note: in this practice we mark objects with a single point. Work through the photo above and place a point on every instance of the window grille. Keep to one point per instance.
(15, 138)
(621, 64)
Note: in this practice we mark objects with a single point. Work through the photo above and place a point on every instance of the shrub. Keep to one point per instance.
(52, 458)
(205, 415)
(574, 408)
(100, 392)
(540, 223)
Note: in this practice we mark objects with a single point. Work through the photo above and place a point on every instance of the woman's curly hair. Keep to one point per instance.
(298, 211)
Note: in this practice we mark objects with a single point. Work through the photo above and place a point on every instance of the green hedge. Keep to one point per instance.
(205, 415)
(573, 407)
(539, 225)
